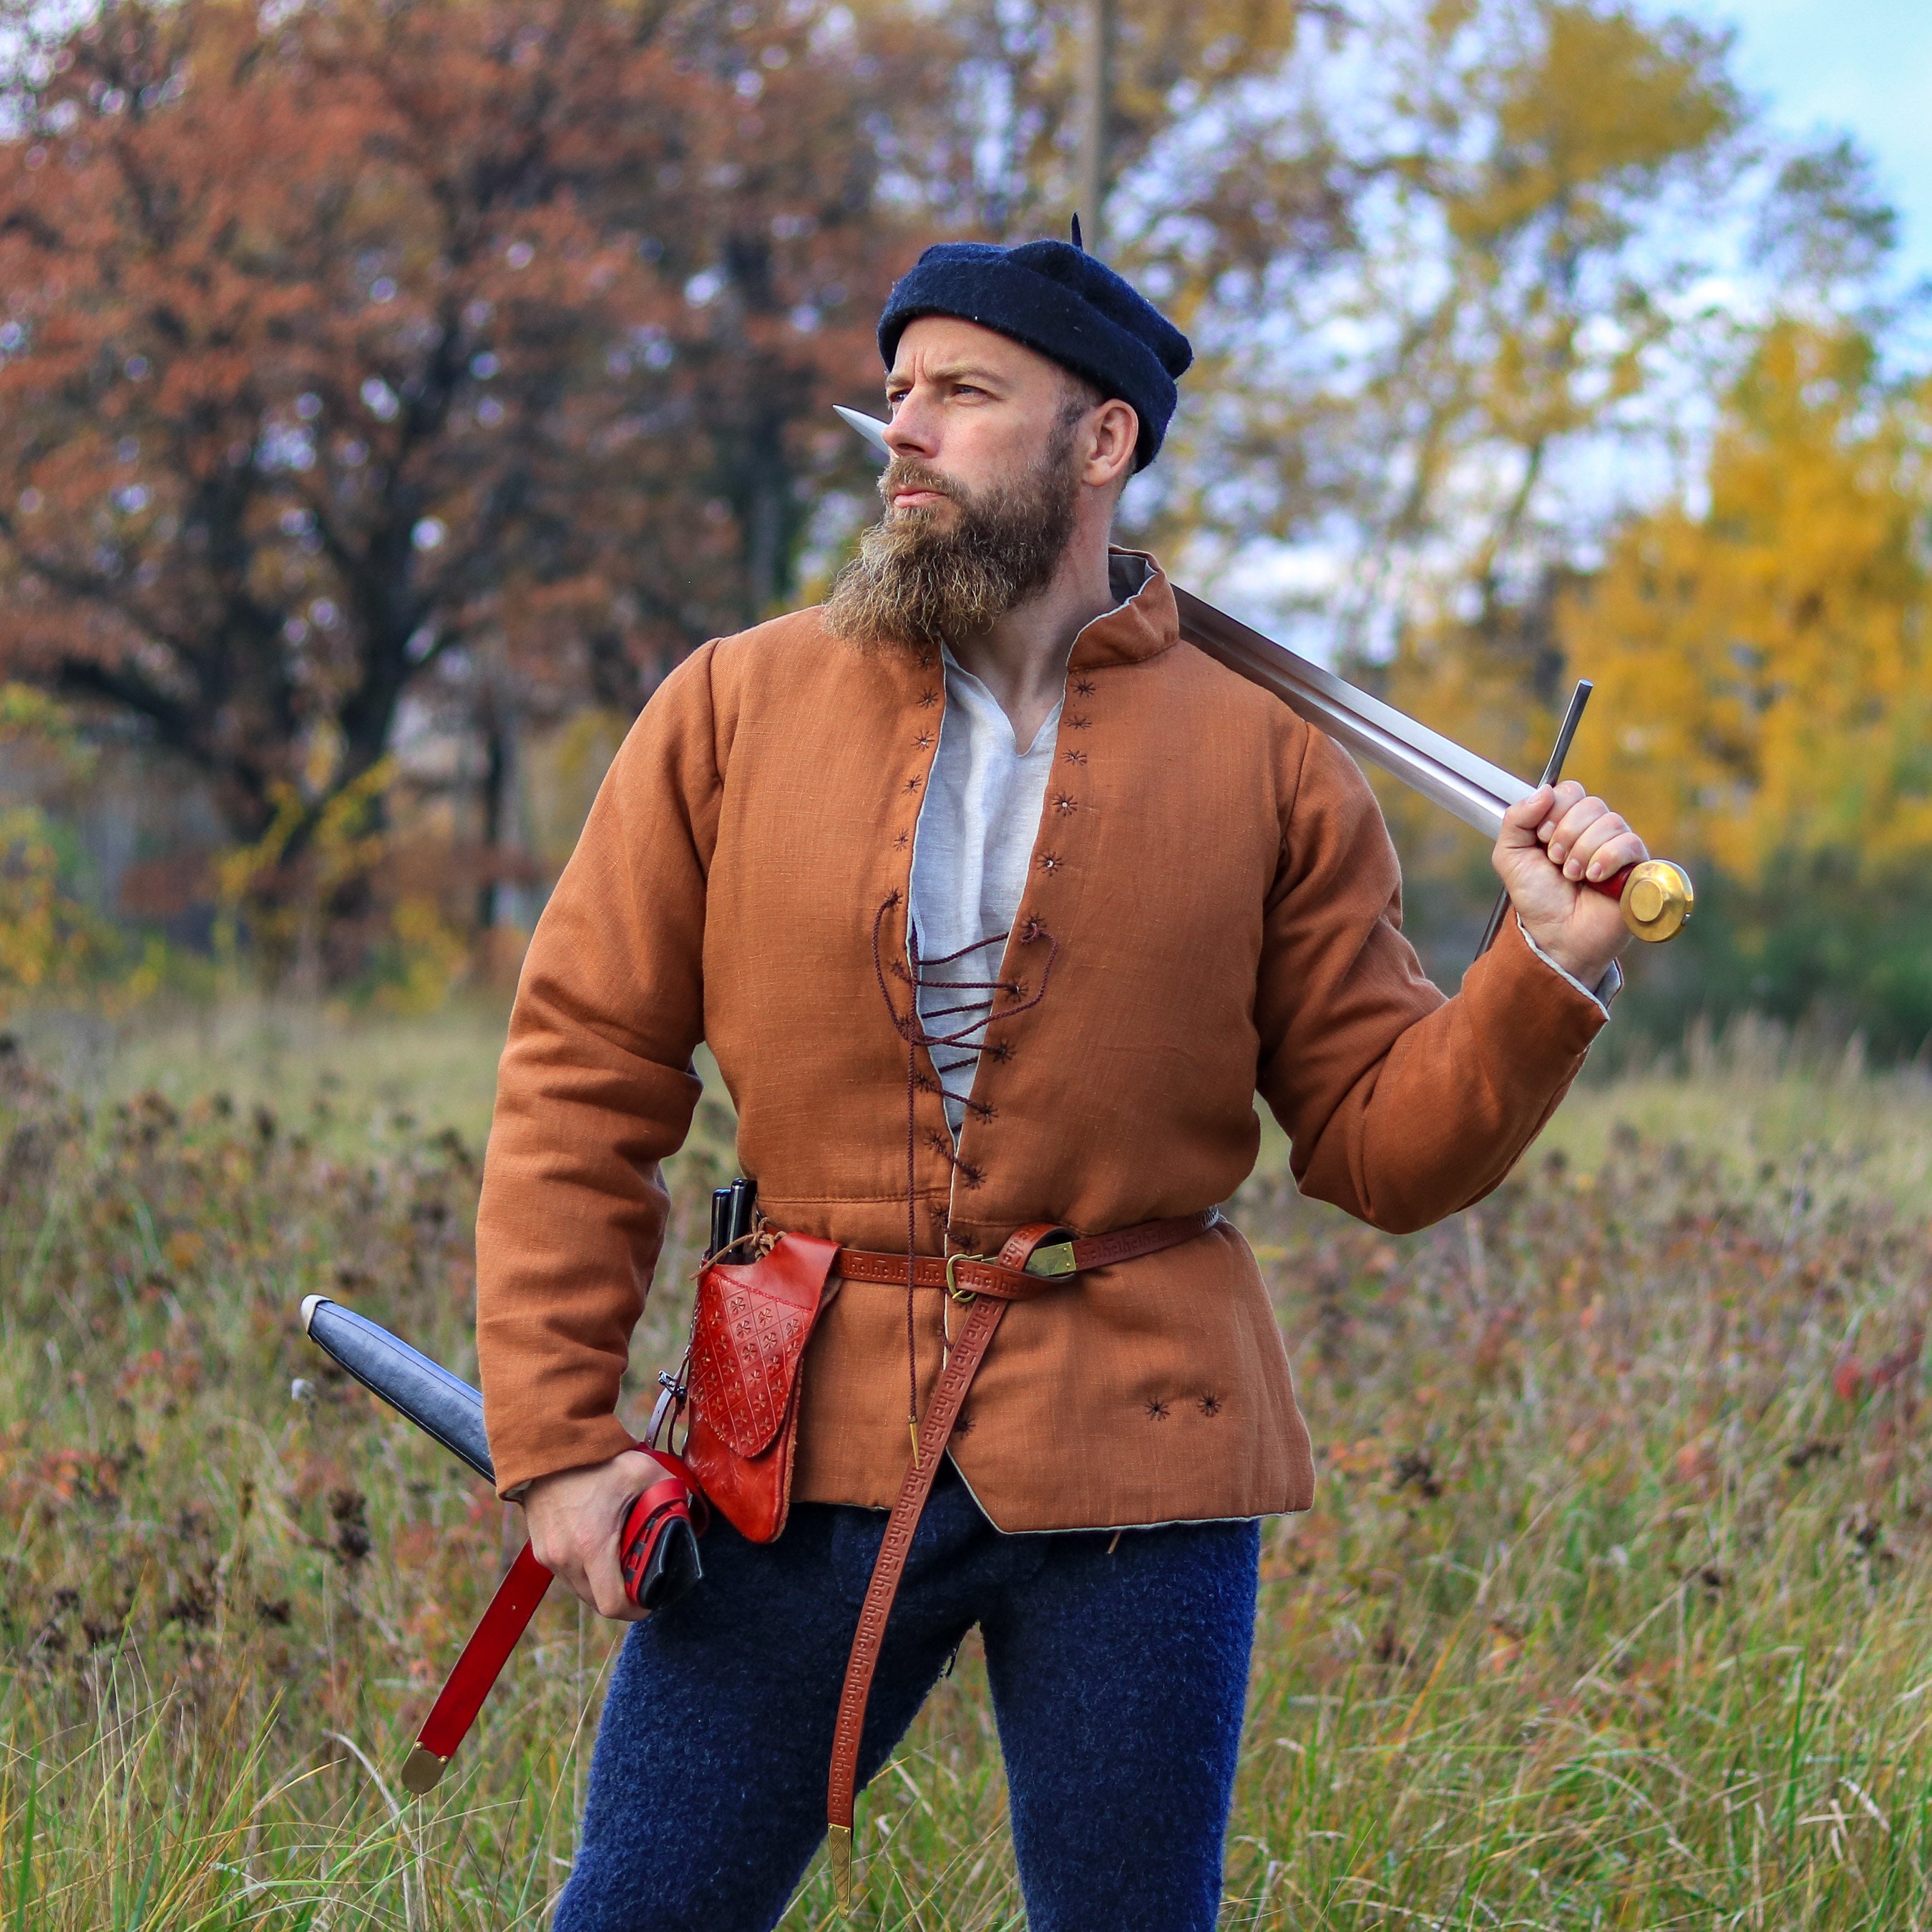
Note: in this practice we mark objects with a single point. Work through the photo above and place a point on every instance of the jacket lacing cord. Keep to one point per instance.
(911, 1027)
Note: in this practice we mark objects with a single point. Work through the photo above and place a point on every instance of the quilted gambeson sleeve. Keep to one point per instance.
(1401, 1106)
(596, 1088)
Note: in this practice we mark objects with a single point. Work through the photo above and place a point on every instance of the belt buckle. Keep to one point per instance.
(961, 1295)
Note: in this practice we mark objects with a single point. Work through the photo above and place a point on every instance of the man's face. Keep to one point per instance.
(970, 409)
(981, 493)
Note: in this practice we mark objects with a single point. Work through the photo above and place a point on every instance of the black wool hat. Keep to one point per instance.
(1056, 298)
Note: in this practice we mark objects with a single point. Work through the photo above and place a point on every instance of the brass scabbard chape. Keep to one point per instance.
(423, 1771)
(1657, 899)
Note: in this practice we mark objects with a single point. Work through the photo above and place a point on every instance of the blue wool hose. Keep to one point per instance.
(1118, 1680)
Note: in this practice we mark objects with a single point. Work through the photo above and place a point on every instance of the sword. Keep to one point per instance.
(657, 1543)
(1656, 894)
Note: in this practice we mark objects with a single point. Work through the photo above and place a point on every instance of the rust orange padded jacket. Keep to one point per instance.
(1217, 892)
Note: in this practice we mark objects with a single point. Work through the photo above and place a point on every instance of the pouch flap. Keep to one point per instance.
(753, 1323)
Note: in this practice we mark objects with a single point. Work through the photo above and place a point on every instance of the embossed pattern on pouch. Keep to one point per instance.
(747, 1344)
(746, 1347)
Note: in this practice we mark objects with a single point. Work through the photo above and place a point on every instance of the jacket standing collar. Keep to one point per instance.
(1144, 624)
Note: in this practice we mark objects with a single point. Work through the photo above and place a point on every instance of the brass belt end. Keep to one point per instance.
(840, 1837)
(1052, 1261)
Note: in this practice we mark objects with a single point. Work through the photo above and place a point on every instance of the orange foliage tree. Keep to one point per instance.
(345, 347)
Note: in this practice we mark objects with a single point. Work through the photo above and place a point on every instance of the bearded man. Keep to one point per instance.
(996, 905)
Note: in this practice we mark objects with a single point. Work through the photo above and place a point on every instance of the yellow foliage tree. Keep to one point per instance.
(1765, 702)
(47, 938)
(1763, 669)
(1522, 182)
(1506, 199)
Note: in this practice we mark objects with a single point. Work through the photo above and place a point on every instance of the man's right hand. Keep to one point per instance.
(574, 1517)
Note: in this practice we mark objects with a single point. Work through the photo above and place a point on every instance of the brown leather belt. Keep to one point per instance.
(1030, 1264)
(1047, 1260)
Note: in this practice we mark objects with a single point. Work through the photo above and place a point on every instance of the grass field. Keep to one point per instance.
(1613, 1610)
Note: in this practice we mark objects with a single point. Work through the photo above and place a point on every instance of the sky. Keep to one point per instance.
(1817, 68)
(1861, 66)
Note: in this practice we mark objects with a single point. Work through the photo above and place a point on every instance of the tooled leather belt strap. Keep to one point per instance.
(989, 1285)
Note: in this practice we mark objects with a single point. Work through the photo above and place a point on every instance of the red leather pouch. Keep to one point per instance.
(748, 1339)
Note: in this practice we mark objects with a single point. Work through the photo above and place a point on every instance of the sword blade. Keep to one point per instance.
(1476, 791)
(870, 428)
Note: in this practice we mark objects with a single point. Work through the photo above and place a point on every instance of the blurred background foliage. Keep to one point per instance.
(392, 391)
(390, 394)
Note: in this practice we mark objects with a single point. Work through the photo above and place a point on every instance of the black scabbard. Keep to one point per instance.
(439, 1403)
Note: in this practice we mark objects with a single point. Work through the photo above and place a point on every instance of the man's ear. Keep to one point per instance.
(1114, 435)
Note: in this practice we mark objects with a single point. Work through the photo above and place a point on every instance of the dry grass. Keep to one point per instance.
(1610, 1613)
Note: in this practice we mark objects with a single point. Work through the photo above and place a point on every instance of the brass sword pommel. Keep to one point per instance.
(1655, 895)
(1657, 898)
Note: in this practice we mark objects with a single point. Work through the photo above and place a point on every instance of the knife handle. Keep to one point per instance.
(1656, 895)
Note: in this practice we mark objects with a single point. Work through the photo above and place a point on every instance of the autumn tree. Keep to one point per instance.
(1764, 662)
(1424, 251)
(1011, 166)
(476, 357)
(1437, 273)
(351, 350)
(1429, 255)
(1760, 639)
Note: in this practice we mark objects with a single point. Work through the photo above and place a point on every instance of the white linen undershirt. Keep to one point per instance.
(971, 852)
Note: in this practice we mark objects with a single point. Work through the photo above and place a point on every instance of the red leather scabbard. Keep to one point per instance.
(483, 1658)
(503, 1624)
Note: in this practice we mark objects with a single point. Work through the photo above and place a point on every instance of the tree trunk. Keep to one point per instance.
(499, 722)
(496, 758)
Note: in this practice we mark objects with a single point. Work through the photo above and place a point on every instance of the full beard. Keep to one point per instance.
(924, 577)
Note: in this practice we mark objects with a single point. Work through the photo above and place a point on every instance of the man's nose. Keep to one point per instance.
(912, 429)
